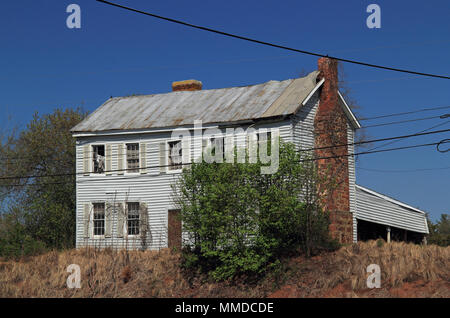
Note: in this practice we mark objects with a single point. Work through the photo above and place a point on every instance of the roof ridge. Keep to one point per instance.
(202, 90)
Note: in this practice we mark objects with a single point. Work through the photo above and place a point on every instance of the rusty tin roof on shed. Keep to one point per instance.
(273, 98)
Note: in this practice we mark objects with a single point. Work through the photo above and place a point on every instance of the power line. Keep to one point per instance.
(420, 132)
(404, 171)
(405, 121)
(271, 44)
(404, 113)
(302, 150)
(184, 164)
(444, 141)
(378, 140)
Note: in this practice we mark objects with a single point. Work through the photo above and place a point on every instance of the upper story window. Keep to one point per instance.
(133, 157)
(217, 147)
(133, 218)
(175, 155)
(98, 158)
(265, 138)
(99, 219)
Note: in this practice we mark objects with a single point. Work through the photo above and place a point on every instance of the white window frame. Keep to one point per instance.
(91, 160)
(126, 159)
(268, 133)
(209, 144)
(92, 220)
(125, 223)
(168, 142)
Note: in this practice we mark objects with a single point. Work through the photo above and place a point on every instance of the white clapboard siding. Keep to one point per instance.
(154, 188)
(303, 124)
(377, 208)
(352, 179)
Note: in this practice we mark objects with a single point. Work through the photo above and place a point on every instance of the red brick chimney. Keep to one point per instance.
(330, 126)
(188, 85)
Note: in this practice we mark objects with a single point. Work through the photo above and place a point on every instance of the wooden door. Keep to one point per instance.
(174, 229)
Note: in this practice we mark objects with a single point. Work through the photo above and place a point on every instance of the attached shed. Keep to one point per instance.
(380, 216)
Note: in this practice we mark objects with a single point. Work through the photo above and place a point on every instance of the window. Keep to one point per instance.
(218, 147)
(133, 218)
(265, 138)
(98, 158)
(175, 155)
(99, 219)
(133, 157)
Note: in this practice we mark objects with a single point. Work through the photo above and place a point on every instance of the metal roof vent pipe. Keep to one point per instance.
(188, 85)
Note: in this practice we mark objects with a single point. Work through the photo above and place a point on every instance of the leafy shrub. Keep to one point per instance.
(240, 222)
(15, 242)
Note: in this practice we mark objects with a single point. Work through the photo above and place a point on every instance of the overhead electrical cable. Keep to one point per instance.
(184, 164)
(272, 44)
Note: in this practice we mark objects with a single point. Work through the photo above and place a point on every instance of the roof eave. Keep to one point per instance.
(348, 111)
(385, 197)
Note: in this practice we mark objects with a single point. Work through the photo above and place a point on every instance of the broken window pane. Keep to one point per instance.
(218, 147)
(98, 158)
(175, 155)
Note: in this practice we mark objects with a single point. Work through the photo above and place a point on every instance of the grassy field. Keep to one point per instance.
(407, 270)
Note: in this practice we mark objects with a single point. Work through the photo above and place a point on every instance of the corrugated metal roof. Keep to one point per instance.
(269, 99)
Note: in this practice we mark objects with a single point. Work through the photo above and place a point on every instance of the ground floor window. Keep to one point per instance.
(133, 218)
(99, 218)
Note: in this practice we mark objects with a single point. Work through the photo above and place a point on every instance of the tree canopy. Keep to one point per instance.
(38, 211)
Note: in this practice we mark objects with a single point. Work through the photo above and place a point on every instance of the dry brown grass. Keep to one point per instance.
(406, 269)
(104, 273)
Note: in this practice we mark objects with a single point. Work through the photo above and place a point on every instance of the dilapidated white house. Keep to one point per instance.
(127, 157)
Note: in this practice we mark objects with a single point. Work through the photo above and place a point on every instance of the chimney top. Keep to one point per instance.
(188, 85)
(328, 69)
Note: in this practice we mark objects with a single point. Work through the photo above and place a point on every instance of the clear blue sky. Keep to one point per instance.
(44, 64)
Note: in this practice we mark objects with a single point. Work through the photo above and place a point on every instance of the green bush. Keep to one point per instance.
(15, 242)
(440, 231)
(240, 221)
